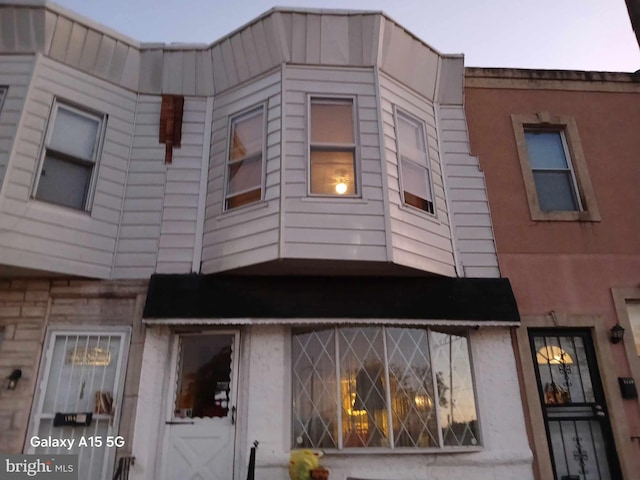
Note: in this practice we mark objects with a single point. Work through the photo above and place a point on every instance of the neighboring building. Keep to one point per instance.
(279, 237)
(560, 153)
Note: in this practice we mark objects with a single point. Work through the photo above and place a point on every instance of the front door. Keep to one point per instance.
(200, 428)
(576, 417)
(79, 397)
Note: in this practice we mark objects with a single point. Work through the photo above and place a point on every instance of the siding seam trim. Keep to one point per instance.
(452, 221)
(283, 149)
(384, 173)
(202, 196)
(124, 187)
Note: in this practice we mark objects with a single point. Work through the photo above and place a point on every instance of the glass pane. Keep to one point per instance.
(411, 140)
(555, 191)
(365, 421)
(633, 310)
(333, 172)
(545, 150)
(74, 134)
(458, 416)
(415, 180)
(332, 122)
(244, 175)
(411, 384)
(64, 183)
(578, 449)
(314, 390)
(204, 376)
(247, 135)
(564, 372)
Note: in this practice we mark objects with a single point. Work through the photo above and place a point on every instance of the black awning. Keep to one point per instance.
(323, 297)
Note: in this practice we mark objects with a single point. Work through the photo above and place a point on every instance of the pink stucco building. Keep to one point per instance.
(559, 150)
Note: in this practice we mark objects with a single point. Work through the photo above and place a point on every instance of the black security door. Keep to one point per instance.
(575, 414)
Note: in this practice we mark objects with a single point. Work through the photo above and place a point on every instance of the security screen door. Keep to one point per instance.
(82, 379)
(575, 414)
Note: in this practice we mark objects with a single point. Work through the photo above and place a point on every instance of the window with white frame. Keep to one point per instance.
(633, 310)
(70, 157)
(552, 171)
(382, 387)
(246, 158)
(332, 147)
(413, 162)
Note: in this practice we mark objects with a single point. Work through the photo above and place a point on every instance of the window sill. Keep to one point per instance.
(62, 209)
(336, 199)
(564, 216)
(244, 209)
(432, 217)
(401, 451)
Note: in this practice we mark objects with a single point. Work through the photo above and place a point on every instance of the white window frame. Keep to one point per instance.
(339, 147)
(247, 113)
(441, 448)
(3, 95)
(568, 160)
(421, 124)
(93, 162)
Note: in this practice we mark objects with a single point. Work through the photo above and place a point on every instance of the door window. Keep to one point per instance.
(575, 414)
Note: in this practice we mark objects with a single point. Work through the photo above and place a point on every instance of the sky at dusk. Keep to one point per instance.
(554, 34)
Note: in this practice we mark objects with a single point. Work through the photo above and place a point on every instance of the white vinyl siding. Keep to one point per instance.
(332, 228)
(467, 193)
(247, 235)
(418, 240)
(46, 236)
(15, 72)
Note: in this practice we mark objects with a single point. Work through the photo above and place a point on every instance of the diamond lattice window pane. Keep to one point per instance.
(314, 390)
(365, 421)
(458, 416)
(411, 383)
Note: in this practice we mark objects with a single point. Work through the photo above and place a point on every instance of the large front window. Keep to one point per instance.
(383, 387)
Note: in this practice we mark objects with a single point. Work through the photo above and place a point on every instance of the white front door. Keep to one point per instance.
(200, 427)
(79, 396)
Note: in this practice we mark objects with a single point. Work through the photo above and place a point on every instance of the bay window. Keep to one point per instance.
(382, 387)
(332, 149)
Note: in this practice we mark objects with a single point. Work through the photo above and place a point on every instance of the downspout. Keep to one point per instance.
(202, 194)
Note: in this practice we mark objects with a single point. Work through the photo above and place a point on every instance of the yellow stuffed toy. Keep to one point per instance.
(302, 462)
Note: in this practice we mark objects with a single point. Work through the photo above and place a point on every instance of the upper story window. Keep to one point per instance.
(554, 169)
(245, 163)
(413, 160)
(71, 153)
(382, 387)
(332, 148)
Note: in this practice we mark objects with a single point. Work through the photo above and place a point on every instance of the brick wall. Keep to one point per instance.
(28, 307)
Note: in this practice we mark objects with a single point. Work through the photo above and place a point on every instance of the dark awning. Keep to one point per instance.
(320, 297)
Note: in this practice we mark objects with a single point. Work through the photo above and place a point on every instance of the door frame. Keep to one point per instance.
(44, 369)
(170, 391)
(597, 385)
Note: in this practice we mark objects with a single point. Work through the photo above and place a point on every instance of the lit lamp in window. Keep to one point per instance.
(12, 380)
(423, 401)
(341, 184)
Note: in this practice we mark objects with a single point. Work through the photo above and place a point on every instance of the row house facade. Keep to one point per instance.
(559, 150)
(279, 237)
